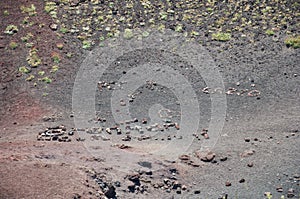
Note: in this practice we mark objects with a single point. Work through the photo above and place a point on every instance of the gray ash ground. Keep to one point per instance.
(257, 153)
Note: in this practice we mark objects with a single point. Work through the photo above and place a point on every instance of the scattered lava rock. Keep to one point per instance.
(80, 139)
(250, 164)
(227, 184)
(144, 121)
(290, 193)
(254, 93)
(135, 185)
(279, 189)
(223, 159)
(110, 191)
(57, 133)
(205, 156)
(135, 178)
(205, 133)
(117, 184)
(247, 153)
(184, 157)
(106, 187)
(123, 146)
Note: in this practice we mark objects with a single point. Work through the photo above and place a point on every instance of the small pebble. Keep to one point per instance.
(108, 130)
(53, 26)
(250, 164)
(290, 193)
(178, 191)
(279, 189)
(122, 103)
(222, 159)
(228, 184)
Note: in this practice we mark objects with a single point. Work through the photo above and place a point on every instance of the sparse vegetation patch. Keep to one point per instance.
(293, 42)
(13, 45)
(33, 59)
(11, 29)
(221, 36)
(31, 10)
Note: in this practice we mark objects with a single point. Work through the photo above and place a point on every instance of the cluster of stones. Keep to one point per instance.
(57, 133)
(127, 127)
(107, 189)
(171, 184)
(107, 85)
(142, 181)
